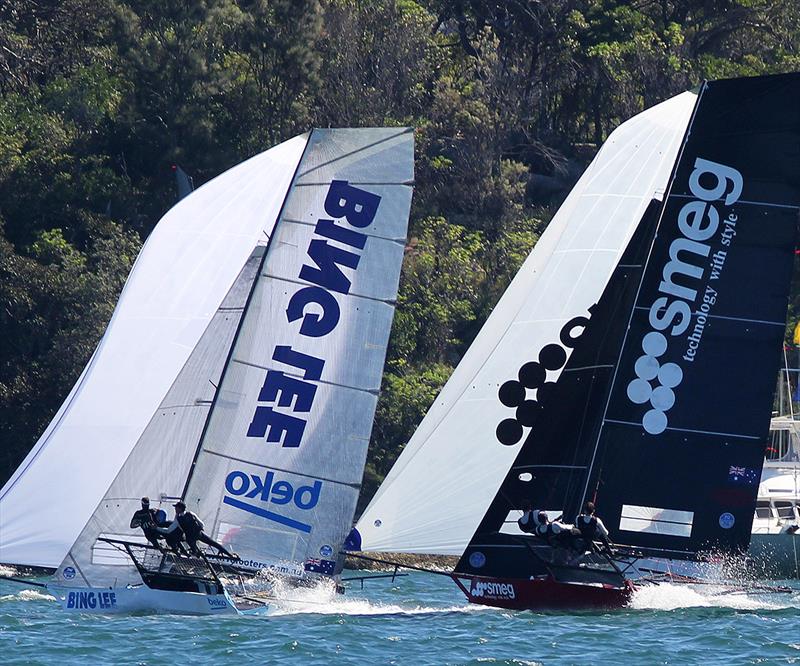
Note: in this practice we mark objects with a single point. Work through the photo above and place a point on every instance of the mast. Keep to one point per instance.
(280, 461)
(241, 320)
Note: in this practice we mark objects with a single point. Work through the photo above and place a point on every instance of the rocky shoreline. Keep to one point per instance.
(435, 562)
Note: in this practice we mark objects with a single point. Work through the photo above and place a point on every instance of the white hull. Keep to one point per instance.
(141, 599)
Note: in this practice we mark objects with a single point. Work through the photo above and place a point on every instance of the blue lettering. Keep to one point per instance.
(320, 313)
(288, 387)
(357, 206)
(330, 229)
(261, 487)
(276, 426)
(328, 259)
(267, 489)
(71, 600)
(113, 596)
(314, 325)
(310, 365)
(230, 483)
(313, 496)
(282, 492)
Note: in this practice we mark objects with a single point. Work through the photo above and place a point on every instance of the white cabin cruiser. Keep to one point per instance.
(775, 542)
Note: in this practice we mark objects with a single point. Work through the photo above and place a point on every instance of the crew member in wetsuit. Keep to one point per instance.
(526, 522)
(146, 519)
(192, 528)
(553, 532)
(592, 528)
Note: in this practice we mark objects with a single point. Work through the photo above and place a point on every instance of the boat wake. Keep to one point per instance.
(323, 600)
(672, 596)
(27, 595)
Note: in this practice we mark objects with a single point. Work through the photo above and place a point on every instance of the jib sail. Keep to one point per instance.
(184, 271)
(279, 470)
(662, 412)
(434, 497)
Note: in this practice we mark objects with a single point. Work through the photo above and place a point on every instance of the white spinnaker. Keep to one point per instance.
(266, 500)
(158, 465)
(441, 485)
(181, 276)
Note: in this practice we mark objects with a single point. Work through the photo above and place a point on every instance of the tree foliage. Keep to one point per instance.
(510, 99)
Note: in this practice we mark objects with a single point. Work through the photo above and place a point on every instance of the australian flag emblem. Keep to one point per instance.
(320, 566)
(744, 475)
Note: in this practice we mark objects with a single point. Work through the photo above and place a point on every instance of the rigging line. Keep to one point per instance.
(589, 367)
(303, 174)
(261, 263)
(663, 207)
(696, 432)
(301, 376)
(282, 469)
(388, 301)
(548, 466)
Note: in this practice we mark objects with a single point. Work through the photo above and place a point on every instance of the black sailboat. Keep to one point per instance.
(661, 414)
(655, 402)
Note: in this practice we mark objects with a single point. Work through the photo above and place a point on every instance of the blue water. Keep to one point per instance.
(420, 619)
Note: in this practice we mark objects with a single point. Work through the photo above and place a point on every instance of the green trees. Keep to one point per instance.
(510, 99)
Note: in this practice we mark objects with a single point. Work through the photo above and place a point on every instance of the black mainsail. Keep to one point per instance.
(662, 410)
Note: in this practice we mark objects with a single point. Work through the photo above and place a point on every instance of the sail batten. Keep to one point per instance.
(280, 465)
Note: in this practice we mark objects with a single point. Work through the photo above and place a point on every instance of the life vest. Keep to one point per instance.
(587, 525)
(549, 530)
(527, 523)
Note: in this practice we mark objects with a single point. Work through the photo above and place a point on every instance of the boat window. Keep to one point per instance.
(763, 510)
(784, 509)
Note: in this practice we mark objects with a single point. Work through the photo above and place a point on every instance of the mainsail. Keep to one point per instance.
(183, 273)
(279, 470)
(438, 490)
(278, 396)
(662, 412)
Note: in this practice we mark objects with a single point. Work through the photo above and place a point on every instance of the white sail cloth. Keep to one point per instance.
(183, 273)
(279, 471)
(438, 490)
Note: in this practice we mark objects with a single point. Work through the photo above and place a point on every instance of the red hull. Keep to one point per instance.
(542, 593)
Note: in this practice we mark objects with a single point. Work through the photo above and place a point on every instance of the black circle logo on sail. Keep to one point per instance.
(533, 375)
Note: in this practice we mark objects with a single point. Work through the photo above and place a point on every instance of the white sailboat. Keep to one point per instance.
(239, 373)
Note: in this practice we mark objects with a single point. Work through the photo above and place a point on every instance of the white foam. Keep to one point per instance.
(323, 600)
(670, 596)
(28, 595)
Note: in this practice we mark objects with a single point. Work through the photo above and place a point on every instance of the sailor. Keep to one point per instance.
(554, 532)
(192, 528)
(592, 528)
(146, 519)
(527, 522)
